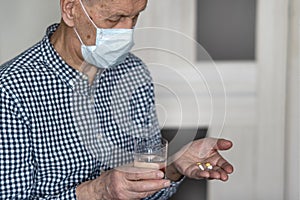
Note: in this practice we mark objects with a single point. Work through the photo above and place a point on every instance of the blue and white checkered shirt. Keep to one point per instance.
(57, 130)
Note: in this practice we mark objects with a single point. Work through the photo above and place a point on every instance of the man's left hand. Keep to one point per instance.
(201, 159)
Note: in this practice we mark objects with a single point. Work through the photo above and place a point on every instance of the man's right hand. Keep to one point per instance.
(123, 183)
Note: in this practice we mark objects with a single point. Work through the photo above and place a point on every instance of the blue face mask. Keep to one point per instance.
(111, 48)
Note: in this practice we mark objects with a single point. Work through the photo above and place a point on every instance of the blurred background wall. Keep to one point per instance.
(259, 111)
(24, 23)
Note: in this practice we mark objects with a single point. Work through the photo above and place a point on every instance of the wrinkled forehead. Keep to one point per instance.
(115, 3)
(116, 7)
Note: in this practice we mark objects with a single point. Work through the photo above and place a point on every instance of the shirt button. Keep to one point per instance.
(71, 83)
(92, 100)
(99, 136)
(85, 77)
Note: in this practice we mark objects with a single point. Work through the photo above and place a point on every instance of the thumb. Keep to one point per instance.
(223, 144)
(213, 144)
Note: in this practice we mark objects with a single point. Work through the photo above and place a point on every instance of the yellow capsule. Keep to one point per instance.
(208, 165)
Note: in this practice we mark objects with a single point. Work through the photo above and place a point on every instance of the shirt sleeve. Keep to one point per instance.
(17, 164)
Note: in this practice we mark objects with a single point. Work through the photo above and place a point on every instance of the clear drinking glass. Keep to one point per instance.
(151, 154)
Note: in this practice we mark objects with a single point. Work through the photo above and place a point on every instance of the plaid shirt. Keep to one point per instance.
(57, 130)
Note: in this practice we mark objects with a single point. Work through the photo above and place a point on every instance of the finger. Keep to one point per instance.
(203, 171)
(223, 144)
(214, 173)
(218, 173)
(212, 144)
(226, 166)
(223, 174)
(156, 174)
(200, 174)
(195, 172)
(148, 185)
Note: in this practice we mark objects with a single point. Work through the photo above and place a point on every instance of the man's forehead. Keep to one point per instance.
(119, 3)
(122, 7)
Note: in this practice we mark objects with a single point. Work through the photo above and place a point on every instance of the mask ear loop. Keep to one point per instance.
(78, 36)
(86, 13)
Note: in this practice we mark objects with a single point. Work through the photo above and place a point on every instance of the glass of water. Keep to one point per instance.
(151, 154)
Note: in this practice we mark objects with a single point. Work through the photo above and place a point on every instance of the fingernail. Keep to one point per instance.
(160, 174)
(167, 184)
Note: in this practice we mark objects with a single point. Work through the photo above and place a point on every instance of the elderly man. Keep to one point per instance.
(72, 105)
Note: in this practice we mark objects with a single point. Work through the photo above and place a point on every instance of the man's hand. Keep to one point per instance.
(123, 183)
(202, 151)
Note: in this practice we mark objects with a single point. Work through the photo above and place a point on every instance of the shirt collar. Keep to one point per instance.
(53, 60)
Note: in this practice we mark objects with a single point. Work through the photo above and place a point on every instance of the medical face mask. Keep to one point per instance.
(111, 48)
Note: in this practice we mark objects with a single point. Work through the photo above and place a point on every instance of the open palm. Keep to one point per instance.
(204, 151)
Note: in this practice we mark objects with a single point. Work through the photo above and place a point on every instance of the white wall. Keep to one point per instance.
(272, 59)
(292, 128)
(23, 23)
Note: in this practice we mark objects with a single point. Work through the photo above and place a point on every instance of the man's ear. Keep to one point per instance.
(68, 11)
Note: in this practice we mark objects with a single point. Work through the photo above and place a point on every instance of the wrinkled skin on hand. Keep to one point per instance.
(204, 150)
(123, 183)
